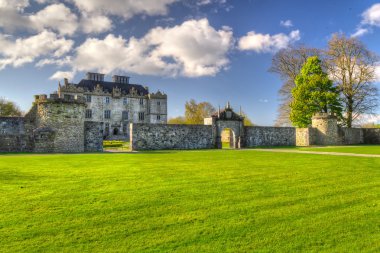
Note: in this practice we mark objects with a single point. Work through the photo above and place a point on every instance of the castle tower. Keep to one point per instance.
(326, 126)
(59, 124)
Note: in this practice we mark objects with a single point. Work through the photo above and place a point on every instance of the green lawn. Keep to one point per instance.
(189, 201)
(374, 150)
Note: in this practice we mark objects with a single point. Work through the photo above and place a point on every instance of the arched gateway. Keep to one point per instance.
(227, 119)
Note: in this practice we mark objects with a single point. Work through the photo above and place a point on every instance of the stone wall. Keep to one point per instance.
(350, 136)
(93, 136)
(305, 136)
(13, 137)
(160, 136)
(270, 136)
(371, 135)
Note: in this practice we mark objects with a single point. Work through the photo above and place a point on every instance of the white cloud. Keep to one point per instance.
(372, 15)
(66, 61)
(19, 5)
(56, 17)
(286, 23)
(377, 72)
(360, 31)
(59, 75)
(124, 8)
(95, 24)
(259, 42)
(21, 51)
(191, 49)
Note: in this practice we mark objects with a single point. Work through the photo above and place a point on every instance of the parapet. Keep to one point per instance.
(158, 94)
(55, 98)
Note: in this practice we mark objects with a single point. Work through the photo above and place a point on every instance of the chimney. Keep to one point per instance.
(120, 79)
(95, 76)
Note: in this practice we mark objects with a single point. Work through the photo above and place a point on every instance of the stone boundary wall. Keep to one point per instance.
(269, 136)
(305, 136)
(371, 135)
(93, 136)
(13, 137)
(351, 136)
(160, 137)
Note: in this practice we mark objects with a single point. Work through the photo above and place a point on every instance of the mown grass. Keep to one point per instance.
(201, 201)
(116, 145)
(374, 149)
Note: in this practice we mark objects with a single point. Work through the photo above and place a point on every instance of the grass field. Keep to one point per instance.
(189, 201)
(371, 150)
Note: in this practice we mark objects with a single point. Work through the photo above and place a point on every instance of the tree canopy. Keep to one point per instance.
(9, 108)
(314, 92)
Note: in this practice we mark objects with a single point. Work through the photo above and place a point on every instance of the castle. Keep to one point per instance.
(79, 116)
(116, 104)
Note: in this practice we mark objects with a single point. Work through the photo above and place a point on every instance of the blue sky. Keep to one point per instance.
(209, 50)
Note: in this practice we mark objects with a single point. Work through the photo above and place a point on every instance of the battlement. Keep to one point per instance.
(56, 98)
(158, 94)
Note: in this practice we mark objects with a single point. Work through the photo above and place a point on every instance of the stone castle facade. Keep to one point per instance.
(116, 104)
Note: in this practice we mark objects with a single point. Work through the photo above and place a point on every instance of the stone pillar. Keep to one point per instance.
(326, 126)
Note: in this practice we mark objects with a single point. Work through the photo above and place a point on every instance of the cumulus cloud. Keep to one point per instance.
(286, 23)
(59, 75)
(372, 15)
(95, 24)
(191, 49)
(25, 50)
(263, 43)
(124, 8)
(56, 17)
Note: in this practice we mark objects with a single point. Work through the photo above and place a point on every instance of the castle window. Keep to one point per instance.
(125, 129)
(107, 100)
(107, 114)
(88, 98)
(125, 101)
(125, 115)
(88, 114)
(158, 103)
(141, 116)
(158, 117)
(141, 101)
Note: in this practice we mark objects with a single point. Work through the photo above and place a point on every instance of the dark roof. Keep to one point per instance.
(108, 86)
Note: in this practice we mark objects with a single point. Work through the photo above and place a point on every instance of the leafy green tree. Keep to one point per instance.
(177, 120)
(9, 108)
(314, 92)
(196, 112)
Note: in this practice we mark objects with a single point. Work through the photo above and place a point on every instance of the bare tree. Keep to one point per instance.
(288, 63)
(352, 67)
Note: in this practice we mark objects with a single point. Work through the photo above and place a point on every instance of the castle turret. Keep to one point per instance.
(59, 124)
(326, 126)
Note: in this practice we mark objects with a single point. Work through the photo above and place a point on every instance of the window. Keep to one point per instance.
(107, 114)
(68, 97)
(125, 101)
(125, 129)
(125, 115)
(141, 116)
(158, 103)
(88, 114)
(141, 101)
(107, 100)
(88, 98)
(107, 128)
(158, 117)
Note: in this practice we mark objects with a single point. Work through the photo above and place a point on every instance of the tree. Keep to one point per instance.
(9, 108)
(352, 67)
(314, 92)
(196, 112)
(177, 120)
(247, 120)
(288, 63)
